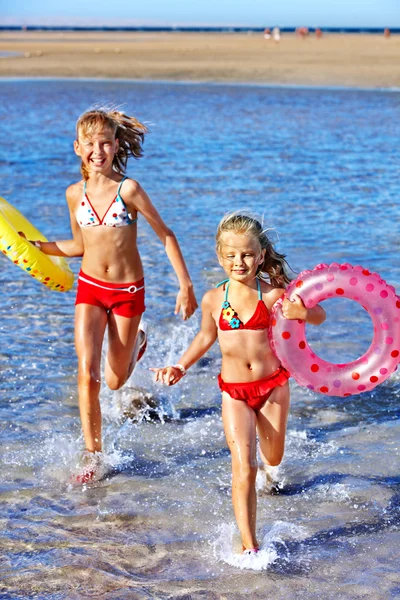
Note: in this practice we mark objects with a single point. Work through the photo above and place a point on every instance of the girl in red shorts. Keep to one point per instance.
(104, 207)
(254, 385)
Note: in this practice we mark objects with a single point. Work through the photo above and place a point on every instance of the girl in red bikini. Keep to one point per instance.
(104, 208)
(254, 385)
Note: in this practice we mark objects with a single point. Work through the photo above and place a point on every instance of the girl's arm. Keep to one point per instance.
(295, 309)
(72, 247)
(186, 300)
(199, 346)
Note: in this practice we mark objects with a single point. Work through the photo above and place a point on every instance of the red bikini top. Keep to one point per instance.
(229, 319)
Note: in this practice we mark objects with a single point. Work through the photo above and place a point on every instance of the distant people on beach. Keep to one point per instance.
(254, 385)
(267, 33)
(276, 34)
(104, 208)
(302, 32)
(386, 32)
(318, 33)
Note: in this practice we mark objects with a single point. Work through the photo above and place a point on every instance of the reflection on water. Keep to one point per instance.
(320, 166)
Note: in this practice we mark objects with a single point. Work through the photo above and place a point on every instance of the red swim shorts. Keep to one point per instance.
(125, 299)
(255, 393)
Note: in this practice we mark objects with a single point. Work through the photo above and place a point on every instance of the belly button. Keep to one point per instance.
(249, 367)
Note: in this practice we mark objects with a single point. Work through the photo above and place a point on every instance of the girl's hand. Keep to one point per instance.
(186, 302)
(168, 375)
(36, 243)
(294, 309)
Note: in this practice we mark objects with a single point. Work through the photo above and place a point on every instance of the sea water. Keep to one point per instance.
(321, 168)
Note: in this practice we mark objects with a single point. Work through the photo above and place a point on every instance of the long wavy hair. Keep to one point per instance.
(275, 267)
(127, 130)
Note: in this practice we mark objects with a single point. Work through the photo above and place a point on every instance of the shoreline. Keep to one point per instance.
(289, 86)
(348, 61)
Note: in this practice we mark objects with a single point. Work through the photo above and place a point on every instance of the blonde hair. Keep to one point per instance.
(127, 130)
(275, 267)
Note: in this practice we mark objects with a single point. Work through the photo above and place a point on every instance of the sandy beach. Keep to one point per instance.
(350, 60)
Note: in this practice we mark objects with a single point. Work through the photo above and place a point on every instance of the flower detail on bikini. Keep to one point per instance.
(230, 321)
(230, 316)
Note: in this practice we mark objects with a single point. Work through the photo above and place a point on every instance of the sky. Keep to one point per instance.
(251, 13)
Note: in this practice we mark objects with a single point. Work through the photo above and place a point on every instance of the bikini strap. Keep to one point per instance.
(84, 188)
(120, 184)
(118, 195)
(226, 289)
(259, 289)
(222, 282)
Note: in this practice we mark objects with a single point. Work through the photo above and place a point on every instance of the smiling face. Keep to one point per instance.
(97, 149)
(240, 256)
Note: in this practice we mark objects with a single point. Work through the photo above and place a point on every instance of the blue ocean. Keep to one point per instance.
(320, 167)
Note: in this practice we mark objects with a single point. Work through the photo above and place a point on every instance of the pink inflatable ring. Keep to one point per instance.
(288, 340)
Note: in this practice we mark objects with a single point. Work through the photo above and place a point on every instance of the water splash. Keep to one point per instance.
(273, 547)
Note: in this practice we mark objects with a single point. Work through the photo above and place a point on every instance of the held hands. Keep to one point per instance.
(168, 375)
(186, 302)
(294, 309)
(36, 243)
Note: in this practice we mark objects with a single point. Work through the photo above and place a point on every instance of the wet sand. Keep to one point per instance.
(336, 59)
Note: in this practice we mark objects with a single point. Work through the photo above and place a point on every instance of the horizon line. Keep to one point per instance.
(186, 27)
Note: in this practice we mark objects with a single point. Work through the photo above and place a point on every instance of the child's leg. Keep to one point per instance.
(90, 324)
(122, 333)
(271, 425)
(240, 431)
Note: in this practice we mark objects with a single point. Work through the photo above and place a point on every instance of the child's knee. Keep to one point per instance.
(245, 472)
(116, 372)
(114, 382)
(88, 375)
(272, 451)
(273, 458)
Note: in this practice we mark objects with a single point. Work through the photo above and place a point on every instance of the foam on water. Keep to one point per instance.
(273, 546)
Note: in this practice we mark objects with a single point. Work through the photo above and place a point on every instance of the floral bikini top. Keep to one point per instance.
(229, 319)
(115, 216)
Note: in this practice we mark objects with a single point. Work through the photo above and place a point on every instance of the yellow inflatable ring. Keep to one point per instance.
(52, 271)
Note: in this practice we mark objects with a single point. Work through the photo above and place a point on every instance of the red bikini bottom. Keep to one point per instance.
(255, 393)
(125, 299)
